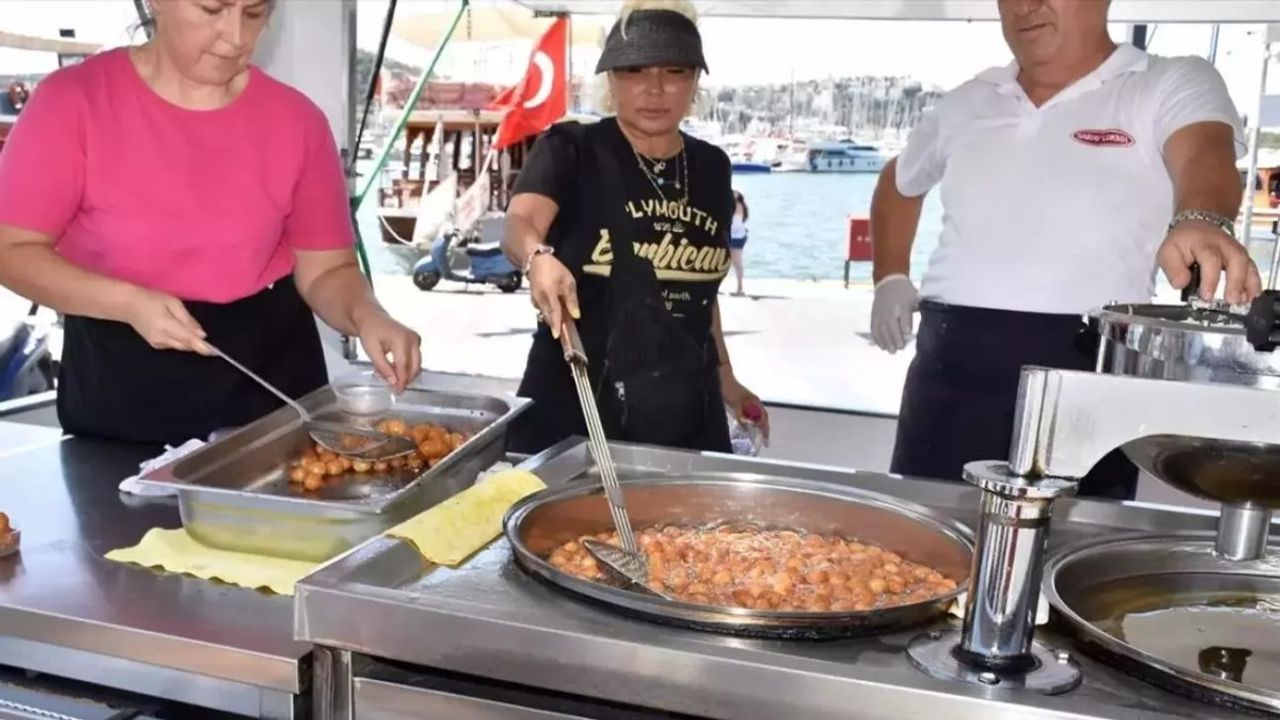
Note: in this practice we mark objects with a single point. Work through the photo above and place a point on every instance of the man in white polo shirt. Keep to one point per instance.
(1065, 178)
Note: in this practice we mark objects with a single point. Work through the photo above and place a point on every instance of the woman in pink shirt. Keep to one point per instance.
(170, 194)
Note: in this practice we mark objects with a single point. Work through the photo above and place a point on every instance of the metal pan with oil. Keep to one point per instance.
(1167, 609)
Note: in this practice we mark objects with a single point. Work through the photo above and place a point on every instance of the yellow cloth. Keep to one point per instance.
(450, 532)
(176, 551)
(446, 534)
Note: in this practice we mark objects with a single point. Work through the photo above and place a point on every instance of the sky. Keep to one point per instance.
(739, 50)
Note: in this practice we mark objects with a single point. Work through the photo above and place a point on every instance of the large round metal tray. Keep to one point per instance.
(1167, 610)
(544, 521)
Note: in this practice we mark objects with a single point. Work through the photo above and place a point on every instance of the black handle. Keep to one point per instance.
(1192, 289)
(1262, 325)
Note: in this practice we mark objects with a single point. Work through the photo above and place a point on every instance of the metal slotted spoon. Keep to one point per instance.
(627, 561)
(340, 438)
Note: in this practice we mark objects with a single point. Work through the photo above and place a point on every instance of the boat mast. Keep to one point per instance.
(791, 129)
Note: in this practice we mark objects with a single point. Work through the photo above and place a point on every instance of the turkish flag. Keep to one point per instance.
(542, 96)
(505, 99)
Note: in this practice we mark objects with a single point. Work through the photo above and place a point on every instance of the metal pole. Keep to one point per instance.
(385, 155)
(372, 178)
(377, 67)
(568, 63)
(1213, 44)
(1255, 135)
(349, 18)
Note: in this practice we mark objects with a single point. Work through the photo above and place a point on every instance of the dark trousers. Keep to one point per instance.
(961, 391)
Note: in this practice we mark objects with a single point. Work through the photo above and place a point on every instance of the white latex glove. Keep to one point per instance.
(892, 311)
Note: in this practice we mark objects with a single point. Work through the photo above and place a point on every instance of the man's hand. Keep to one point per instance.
(1198, 241)
(892, 312)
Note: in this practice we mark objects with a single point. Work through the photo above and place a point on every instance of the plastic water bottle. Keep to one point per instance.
(746, 437)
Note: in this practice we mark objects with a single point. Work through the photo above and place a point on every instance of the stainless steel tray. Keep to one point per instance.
(490, 621)
(1166, 609)
(542, 522)
(235, 494)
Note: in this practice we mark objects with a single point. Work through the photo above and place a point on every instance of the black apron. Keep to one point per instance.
(113, 384)
(654, 383)
(961, 392)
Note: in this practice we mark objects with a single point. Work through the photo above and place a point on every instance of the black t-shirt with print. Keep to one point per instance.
(687, 244)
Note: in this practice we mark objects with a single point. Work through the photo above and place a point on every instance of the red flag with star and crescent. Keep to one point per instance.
(542, 95)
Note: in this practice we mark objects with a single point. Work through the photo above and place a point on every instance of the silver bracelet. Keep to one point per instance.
(540, 250)
(1224, 223)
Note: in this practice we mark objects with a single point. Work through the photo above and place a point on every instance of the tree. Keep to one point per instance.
(364, 69)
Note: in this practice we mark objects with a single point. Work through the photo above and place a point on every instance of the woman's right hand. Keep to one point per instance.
(553, 289)
(163, 321)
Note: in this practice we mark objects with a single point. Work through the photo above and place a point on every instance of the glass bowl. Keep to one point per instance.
(363, 393)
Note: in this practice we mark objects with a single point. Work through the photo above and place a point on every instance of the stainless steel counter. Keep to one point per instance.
(67, 611)
(17, 437)
(516, 641)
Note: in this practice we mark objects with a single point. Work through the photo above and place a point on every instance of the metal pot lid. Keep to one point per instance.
(1195, 317)
(1197, 344)
(1167, 609)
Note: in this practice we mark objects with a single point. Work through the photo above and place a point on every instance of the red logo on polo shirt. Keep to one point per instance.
(1103, 138)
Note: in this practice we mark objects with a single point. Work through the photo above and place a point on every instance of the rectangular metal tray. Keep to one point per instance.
(235, 493)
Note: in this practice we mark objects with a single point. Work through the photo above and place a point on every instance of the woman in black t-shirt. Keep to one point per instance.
(624, 225)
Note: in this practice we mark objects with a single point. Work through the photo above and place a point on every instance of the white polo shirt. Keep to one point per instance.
(1061, 208)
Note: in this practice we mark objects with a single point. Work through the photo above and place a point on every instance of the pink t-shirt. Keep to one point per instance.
(204, 205)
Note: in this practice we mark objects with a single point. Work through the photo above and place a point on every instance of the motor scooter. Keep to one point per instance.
(27, 366)
(468, 258)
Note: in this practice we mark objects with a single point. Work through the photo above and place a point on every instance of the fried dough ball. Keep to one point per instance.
(434, 443)
(394, 426)
(769, 570)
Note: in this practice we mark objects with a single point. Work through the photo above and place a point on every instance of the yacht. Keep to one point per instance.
(793, 156)
(846, 156)
(747, 154)
(708, 130)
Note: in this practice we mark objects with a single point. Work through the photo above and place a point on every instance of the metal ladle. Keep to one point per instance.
(334, 437)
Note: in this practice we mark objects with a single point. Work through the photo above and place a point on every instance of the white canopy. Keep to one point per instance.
(56, 45)
(488, 24)
(1122, 11)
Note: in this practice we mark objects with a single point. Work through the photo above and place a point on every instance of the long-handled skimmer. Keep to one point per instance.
(626, 561)
(340, 438)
